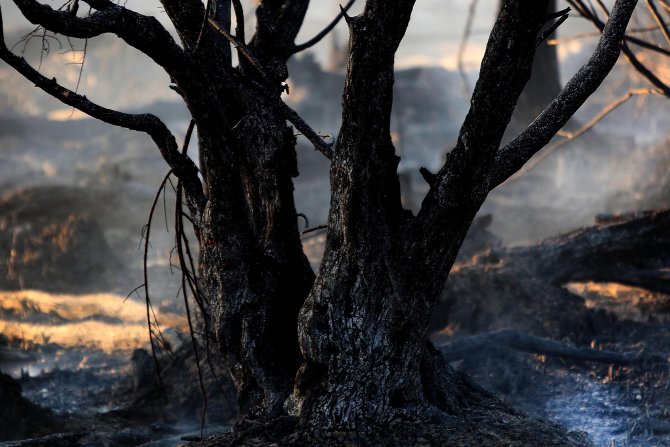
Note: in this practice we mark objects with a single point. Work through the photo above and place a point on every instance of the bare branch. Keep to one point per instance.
(569, 136)
(142, 32)
(146, 235)
(630, 55)
(558, 14)
(182, 166)
(659, 20)
(313, 229)
(554, 26)
(203, 25)
(459, 188)
(316, 39)
(505, 69)
(647, 45)
(290, 114)
(513, 156)
(609, 109)
(244, 50)
(560, 40)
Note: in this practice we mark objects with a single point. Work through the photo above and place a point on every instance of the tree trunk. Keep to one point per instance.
(258, 274)
(363, 328)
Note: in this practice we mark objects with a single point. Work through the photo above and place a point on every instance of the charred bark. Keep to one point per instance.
(364, 325)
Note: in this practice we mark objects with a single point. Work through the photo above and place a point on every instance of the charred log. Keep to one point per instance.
(455, 350)
(523, 287)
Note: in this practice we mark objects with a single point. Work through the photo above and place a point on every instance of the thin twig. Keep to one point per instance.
(288, 113)
(630, 55)
(182, 166)
(647, 45)
(554, 26)
(570, 136)
(659, 20)
(203, 25)
(182, 262)
(313, 229)
(242, 48)
(577, 36)
(146, 273)
(314, 40)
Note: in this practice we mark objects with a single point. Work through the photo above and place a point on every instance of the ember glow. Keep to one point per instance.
(105, 321)
(627, 302)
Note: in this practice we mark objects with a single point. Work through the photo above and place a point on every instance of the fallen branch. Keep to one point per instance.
(456, 350)
(58, 440)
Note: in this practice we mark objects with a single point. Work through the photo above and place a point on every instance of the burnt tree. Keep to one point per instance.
(346, 349)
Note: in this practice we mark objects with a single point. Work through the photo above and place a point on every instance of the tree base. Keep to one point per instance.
(484, 421)
(488, 428)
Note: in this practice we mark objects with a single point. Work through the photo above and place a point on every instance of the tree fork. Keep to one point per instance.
(363, 328)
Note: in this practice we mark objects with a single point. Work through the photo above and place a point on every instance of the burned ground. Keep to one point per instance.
(530, 292)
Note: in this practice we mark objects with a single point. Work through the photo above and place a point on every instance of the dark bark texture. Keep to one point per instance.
(346, 349)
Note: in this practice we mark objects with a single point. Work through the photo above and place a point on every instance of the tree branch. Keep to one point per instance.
(659, 20)
(505, 69)
(139, 31)
(569, 136)
(288, 113)
(182, 166)
(244, 51)
(630, 55)
(513, 156)
(460, 187)
(316, 39)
